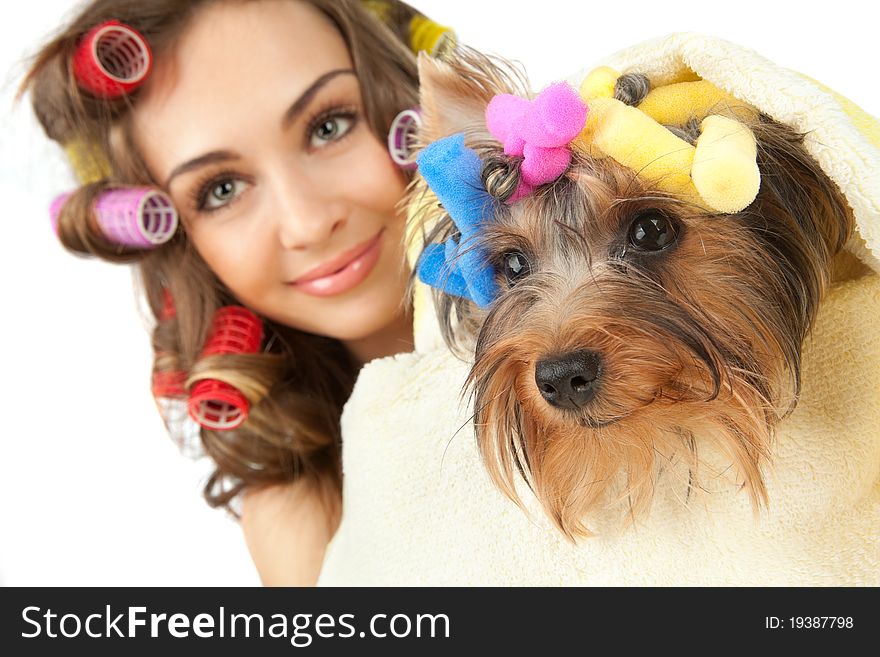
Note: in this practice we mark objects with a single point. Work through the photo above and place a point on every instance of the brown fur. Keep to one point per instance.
(700, 342)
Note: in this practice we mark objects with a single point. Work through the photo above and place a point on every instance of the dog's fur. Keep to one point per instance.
(696, 344)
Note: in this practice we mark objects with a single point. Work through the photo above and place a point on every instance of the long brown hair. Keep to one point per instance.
(297, 386)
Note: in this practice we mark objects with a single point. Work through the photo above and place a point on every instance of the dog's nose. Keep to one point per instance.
(569, 381)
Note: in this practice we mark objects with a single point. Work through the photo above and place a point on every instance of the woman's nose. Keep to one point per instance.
(307, 215)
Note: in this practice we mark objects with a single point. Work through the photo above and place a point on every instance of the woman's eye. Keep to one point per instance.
(516, 267)
(330, 129)
(220, 193)
(652, 231)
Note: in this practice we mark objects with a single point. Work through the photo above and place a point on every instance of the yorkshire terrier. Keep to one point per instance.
(632, 327)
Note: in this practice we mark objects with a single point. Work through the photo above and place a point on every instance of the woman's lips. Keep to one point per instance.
(344, 272)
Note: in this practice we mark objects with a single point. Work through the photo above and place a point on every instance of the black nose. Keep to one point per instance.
(569, 381)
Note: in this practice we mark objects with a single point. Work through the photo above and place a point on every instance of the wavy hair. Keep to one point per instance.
(298, 384)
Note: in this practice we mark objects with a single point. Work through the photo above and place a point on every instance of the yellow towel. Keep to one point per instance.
(420, 510)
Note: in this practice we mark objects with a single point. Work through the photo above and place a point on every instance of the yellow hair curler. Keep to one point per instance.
(424, 34)
(721, 170)
(88, 162)
(435, 39)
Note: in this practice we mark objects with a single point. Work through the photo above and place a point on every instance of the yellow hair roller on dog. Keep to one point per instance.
(720, 170)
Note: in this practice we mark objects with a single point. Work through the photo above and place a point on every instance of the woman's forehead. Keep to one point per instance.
(237, 65)
(246, 51)
(259, 37)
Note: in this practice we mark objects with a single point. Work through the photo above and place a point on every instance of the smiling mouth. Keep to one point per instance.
(337, 264)
(344, 272)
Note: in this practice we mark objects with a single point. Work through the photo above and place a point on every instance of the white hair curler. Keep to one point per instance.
(401, 136)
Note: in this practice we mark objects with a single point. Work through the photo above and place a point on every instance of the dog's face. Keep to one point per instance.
(633, 326)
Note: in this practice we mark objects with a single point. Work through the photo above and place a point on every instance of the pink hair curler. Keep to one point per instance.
(139, 217)
(401, 136)
(112, 59)
(215, 404)
(55, 209)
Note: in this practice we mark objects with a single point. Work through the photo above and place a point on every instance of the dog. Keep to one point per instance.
(634, 330)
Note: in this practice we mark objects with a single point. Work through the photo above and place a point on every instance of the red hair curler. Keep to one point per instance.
(235, 330)
(169, 384)
(169, 311)
(215, 404)
(111, 60)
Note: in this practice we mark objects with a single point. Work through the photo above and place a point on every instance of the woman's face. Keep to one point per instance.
(254, 124)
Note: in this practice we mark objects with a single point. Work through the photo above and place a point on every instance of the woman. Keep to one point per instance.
(264, 122)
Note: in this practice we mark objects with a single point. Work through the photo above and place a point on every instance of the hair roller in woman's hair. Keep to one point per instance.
(111, 60)
(56, 207)
(401, 137)
(435, 39)
(169, 384)
(88, 162)
(137, 217)
(169, 310)
(234, 330)
(215, 404)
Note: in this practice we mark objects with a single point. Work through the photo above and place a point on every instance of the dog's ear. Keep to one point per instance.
(795, 187)
(449, 102)
(455, 93)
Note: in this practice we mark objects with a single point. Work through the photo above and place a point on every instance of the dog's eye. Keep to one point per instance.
(652, 231)
(516, 266)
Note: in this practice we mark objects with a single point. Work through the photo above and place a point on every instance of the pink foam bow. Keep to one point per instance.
(539, 131)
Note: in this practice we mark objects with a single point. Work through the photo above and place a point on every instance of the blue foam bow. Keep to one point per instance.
(452, 171)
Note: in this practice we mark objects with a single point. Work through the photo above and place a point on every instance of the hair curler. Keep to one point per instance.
(111, 60)
(169, 384)
(215, 404)
(88, 161)
(169, 310)
(424, 34)
(55, 209)
(137, 217)
(401, 137)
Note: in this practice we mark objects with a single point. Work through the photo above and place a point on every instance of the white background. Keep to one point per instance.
(92, 490)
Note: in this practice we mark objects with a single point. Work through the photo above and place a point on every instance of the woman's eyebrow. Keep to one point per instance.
(302, 102)
(289, 117)
(199, 162)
